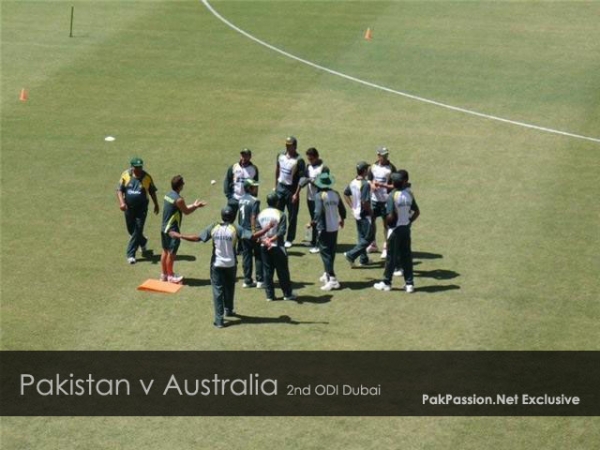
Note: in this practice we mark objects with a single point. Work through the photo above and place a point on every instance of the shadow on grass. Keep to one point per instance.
(295, 253)
(196, 282)
(433, 289)
(256, 320)
(358, 285)
(438, 274)
(426, 255)
(320, 299)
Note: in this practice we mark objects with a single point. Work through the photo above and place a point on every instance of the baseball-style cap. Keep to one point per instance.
(246, 151)
(291, 140)
(383, 151)
(137, 162)
(272, 199)
(396, 177)
(325, 180)
(362, 165)
(250, 182)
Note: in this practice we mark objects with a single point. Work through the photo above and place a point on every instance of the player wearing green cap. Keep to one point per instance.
(357, 195)
(223, 263)
(134, 188)
(330, 214)
(249, 208)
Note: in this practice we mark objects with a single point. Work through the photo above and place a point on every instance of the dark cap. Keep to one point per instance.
(227, 214)
(362, 165)
(383, 151)
(272, 199)
(137, 162)
(246, 151)
(291, 140)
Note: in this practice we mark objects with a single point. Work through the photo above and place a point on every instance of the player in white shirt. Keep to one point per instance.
(287, 176)
(233, 185)
(402, 211)
(314, 168)
(379, 178)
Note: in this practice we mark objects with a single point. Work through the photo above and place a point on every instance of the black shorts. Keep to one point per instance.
(169, 244)
(379, 209)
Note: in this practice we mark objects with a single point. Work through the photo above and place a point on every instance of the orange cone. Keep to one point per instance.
(368, 34)
(23, 97)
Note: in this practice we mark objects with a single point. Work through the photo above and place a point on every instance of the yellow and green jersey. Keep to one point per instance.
(136, 190)
(225, 237)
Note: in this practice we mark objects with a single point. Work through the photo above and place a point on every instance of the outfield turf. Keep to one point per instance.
(507, 245)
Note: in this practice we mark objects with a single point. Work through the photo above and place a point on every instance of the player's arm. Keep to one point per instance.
(390, 210)
(342, 213)
(186, 237)
(415, 211)
(276, 172)
(365, 201)
(120, 196)
(188, 209)
(318, 210)
(152, 190)
(228, 183)
(348, 196)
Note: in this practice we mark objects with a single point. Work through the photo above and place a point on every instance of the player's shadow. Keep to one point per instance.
(437, 274)
(426, 255)
(257, 320)
(358, 285)
(441, 288)
(196, 282)
(155, 259)
(295, 253)
(320, 299)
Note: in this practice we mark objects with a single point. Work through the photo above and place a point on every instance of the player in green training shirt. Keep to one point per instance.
(249, 208)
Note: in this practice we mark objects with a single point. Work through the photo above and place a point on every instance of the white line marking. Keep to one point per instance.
(386, 89)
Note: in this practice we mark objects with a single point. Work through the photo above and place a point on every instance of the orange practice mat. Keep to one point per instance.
(159, 286)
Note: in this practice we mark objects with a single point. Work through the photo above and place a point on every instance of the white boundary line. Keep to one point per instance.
(386, 89)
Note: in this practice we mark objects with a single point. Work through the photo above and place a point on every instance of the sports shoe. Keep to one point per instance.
(364, 264)
(398, 273)
(381, 286)
(409, 288)
(288, 244)
(384, 254)
(230, 313)
(349, 261)
(324, 278)
(131, 260)
(219, 324)
(292, 296)
(260, 285)
(331, 285)
(249, 285)
(314, 250)
(269, 299)
(372, 248)
(175, 278)
(163, 277)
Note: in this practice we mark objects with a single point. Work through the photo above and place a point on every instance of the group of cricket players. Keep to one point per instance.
(262, 236)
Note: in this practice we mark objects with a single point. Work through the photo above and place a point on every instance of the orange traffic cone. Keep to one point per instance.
(23, 97)
(368, 34)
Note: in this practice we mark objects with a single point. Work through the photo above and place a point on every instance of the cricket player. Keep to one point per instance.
(134, 187)
(314, 168)
(223, 263)
(402, 211)
(330, 214)
(173, 210)
(233, 185)
(287, 175)
(357, 196)
(379, 178)
(249, 208)
(273, 252)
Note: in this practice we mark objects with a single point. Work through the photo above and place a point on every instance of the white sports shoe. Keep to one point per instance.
(324, 278)
(163, 277)
(260, 285)
(288, 244)
(331, 285)
(398, 273)
(175, 278)
(248, 285)
(372, 248)
(384, 254)
(292, 296)
(269, 299)
(314, 250)
(131, 260)
(381, 286)
(409, 288)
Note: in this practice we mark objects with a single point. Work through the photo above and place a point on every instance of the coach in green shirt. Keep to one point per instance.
(134, 188)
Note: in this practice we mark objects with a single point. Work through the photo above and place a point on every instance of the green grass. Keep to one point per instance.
(511, 213)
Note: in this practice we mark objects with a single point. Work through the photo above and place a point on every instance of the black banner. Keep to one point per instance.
(299, 383)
